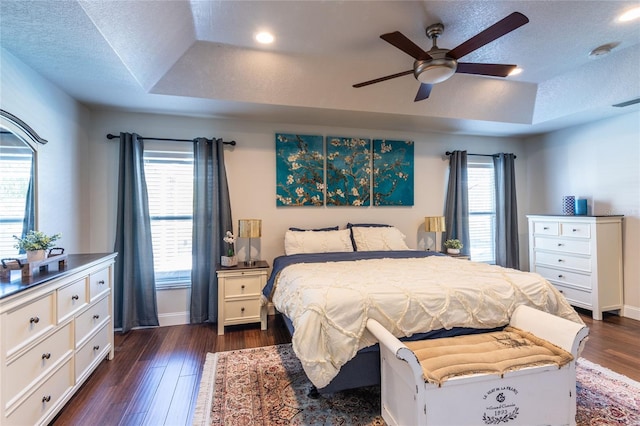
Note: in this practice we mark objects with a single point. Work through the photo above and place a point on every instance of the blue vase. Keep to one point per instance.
(581, 206)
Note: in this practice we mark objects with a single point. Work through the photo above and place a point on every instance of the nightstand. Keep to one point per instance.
(240, 294)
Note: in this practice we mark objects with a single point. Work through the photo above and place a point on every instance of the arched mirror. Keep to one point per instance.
(18, 180)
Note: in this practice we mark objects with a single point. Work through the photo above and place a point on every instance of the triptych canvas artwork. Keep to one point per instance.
(312, 170)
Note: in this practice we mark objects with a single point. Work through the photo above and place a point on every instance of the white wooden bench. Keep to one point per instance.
(415, 393)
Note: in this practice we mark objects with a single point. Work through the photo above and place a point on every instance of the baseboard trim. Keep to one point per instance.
(173, 318)
(632, 312)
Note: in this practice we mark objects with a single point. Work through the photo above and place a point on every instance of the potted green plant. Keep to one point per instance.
(230, 259)
(453, 246)
(36, 244)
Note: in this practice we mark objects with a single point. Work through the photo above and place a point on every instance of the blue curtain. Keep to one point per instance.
(134, 279)
(211, 220)
(456, 210)
(506, 237)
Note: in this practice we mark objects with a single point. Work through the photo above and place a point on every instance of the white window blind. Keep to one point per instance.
(169, 178)
(482, 211)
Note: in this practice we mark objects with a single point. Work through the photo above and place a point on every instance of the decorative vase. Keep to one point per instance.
(228, 260)
(36, 255)
(453, 251)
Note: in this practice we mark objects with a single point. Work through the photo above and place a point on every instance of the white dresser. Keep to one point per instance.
(581, 256)
(56, 328)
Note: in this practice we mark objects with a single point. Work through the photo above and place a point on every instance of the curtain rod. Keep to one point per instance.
(479, 155)
(232, 143)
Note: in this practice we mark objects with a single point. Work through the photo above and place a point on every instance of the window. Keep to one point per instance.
(169, 178)
(482, 211)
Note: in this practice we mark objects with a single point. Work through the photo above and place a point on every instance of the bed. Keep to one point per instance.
(330, 282)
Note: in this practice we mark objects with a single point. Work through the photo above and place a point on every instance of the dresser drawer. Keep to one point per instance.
(565, 277)
(37, 361)
(94, 349)
(240, 310)
(71, 298)
(563, 245)
(575, 296)
(243, 285)
(43, 399)
(561, 260)
(546, 228)
(98, 284)
(575, 229)
(27, 323)
(91, 319)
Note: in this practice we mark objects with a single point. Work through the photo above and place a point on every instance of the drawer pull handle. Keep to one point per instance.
(46, 398)
(101, 282)
(560, 260)
(574, 230)
(546, 228)
(560, 276)
(96, 316)
(242, 286)
(34, 320)
(75, 297)
(96, 347)
(46, 356)
(242, 309)
(560, 244)
(561, 291)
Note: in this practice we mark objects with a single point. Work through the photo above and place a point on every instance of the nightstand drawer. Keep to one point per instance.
(575, 296)
(243, 285)
(565, 277)
(91, 319)
(95, 348)
(546, 228)
(561, 260)
(43, 399)
(40, 359)
(574, 229)
(241, 310)
(98, 283)
(563, 245)
(26, 323)
(71, 298)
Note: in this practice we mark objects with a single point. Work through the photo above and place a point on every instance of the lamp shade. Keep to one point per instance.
(249, 228)
(434, 224)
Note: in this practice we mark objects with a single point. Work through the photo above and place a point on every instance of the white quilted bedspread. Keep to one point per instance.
(329, 303)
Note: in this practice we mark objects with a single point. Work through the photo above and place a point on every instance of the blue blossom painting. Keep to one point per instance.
(392, 173)
(299, 170)
(348, 171)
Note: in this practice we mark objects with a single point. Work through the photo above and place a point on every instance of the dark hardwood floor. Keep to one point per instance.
(154, 377)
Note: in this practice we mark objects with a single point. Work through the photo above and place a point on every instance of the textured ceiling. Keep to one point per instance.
(199, 58)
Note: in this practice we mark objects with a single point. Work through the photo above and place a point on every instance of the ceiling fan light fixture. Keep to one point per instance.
(435, 70)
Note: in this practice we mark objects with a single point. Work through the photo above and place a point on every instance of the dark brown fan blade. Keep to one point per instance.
(378, 80)
(400, 41)
(497, 30)
(423, 92)
(496, 70)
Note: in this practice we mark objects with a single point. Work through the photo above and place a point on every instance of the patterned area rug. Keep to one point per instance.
(267, 386)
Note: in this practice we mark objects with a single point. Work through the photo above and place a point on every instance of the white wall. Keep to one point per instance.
(599, 161)
(251, 174)
(62, 163)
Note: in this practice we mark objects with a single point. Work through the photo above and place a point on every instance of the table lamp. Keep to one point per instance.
(249, 228)
(436, 225)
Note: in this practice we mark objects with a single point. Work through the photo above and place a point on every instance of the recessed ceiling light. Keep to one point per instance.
(630, 15)
(264, 37)
(515, 71)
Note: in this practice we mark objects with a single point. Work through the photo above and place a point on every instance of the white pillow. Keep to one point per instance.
(379, 238)
(297, 242)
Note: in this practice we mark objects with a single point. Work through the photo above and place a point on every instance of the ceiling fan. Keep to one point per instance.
(437, 65)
